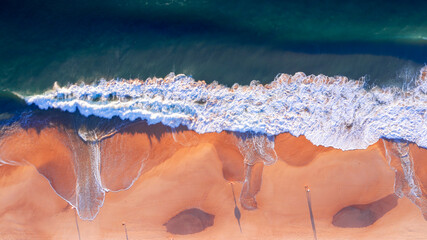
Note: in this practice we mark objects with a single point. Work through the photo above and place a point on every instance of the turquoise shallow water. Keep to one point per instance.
(228, 41)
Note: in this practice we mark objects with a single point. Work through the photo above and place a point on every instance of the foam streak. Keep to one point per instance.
(329, 111)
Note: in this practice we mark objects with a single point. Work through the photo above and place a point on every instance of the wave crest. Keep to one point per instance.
(329, 111)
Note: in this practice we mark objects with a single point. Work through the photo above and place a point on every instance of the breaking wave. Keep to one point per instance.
(329, 111)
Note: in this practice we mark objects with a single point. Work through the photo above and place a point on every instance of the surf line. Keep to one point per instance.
(313, 226)
(236, 209)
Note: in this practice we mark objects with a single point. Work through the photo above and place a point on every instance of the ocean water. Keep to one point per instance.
(228, 41)
(343, 74)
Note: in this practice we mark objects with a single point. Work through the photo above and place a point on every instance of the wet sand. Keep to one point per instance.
(183, 170)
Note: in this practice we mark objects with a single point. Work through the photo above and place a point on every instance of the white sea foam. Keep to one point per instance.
(406, 182)
(329, 111)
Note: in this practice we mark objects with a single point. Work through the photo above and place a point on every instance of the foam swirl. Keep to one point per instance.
(329, 111)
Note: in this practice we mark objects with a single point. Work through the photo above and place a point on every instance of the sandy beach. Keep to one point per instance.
(181, 171)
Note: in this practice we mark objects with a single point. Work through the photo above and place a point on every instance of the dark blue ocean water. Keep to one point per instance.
(228, 41)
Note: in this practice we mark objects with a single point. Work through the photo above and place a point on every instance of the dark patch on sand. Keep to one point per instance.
(358, 216)
(189, 221)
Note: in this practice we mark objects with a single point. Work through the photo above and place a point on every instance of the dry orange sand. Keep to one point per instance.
(186, 170)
